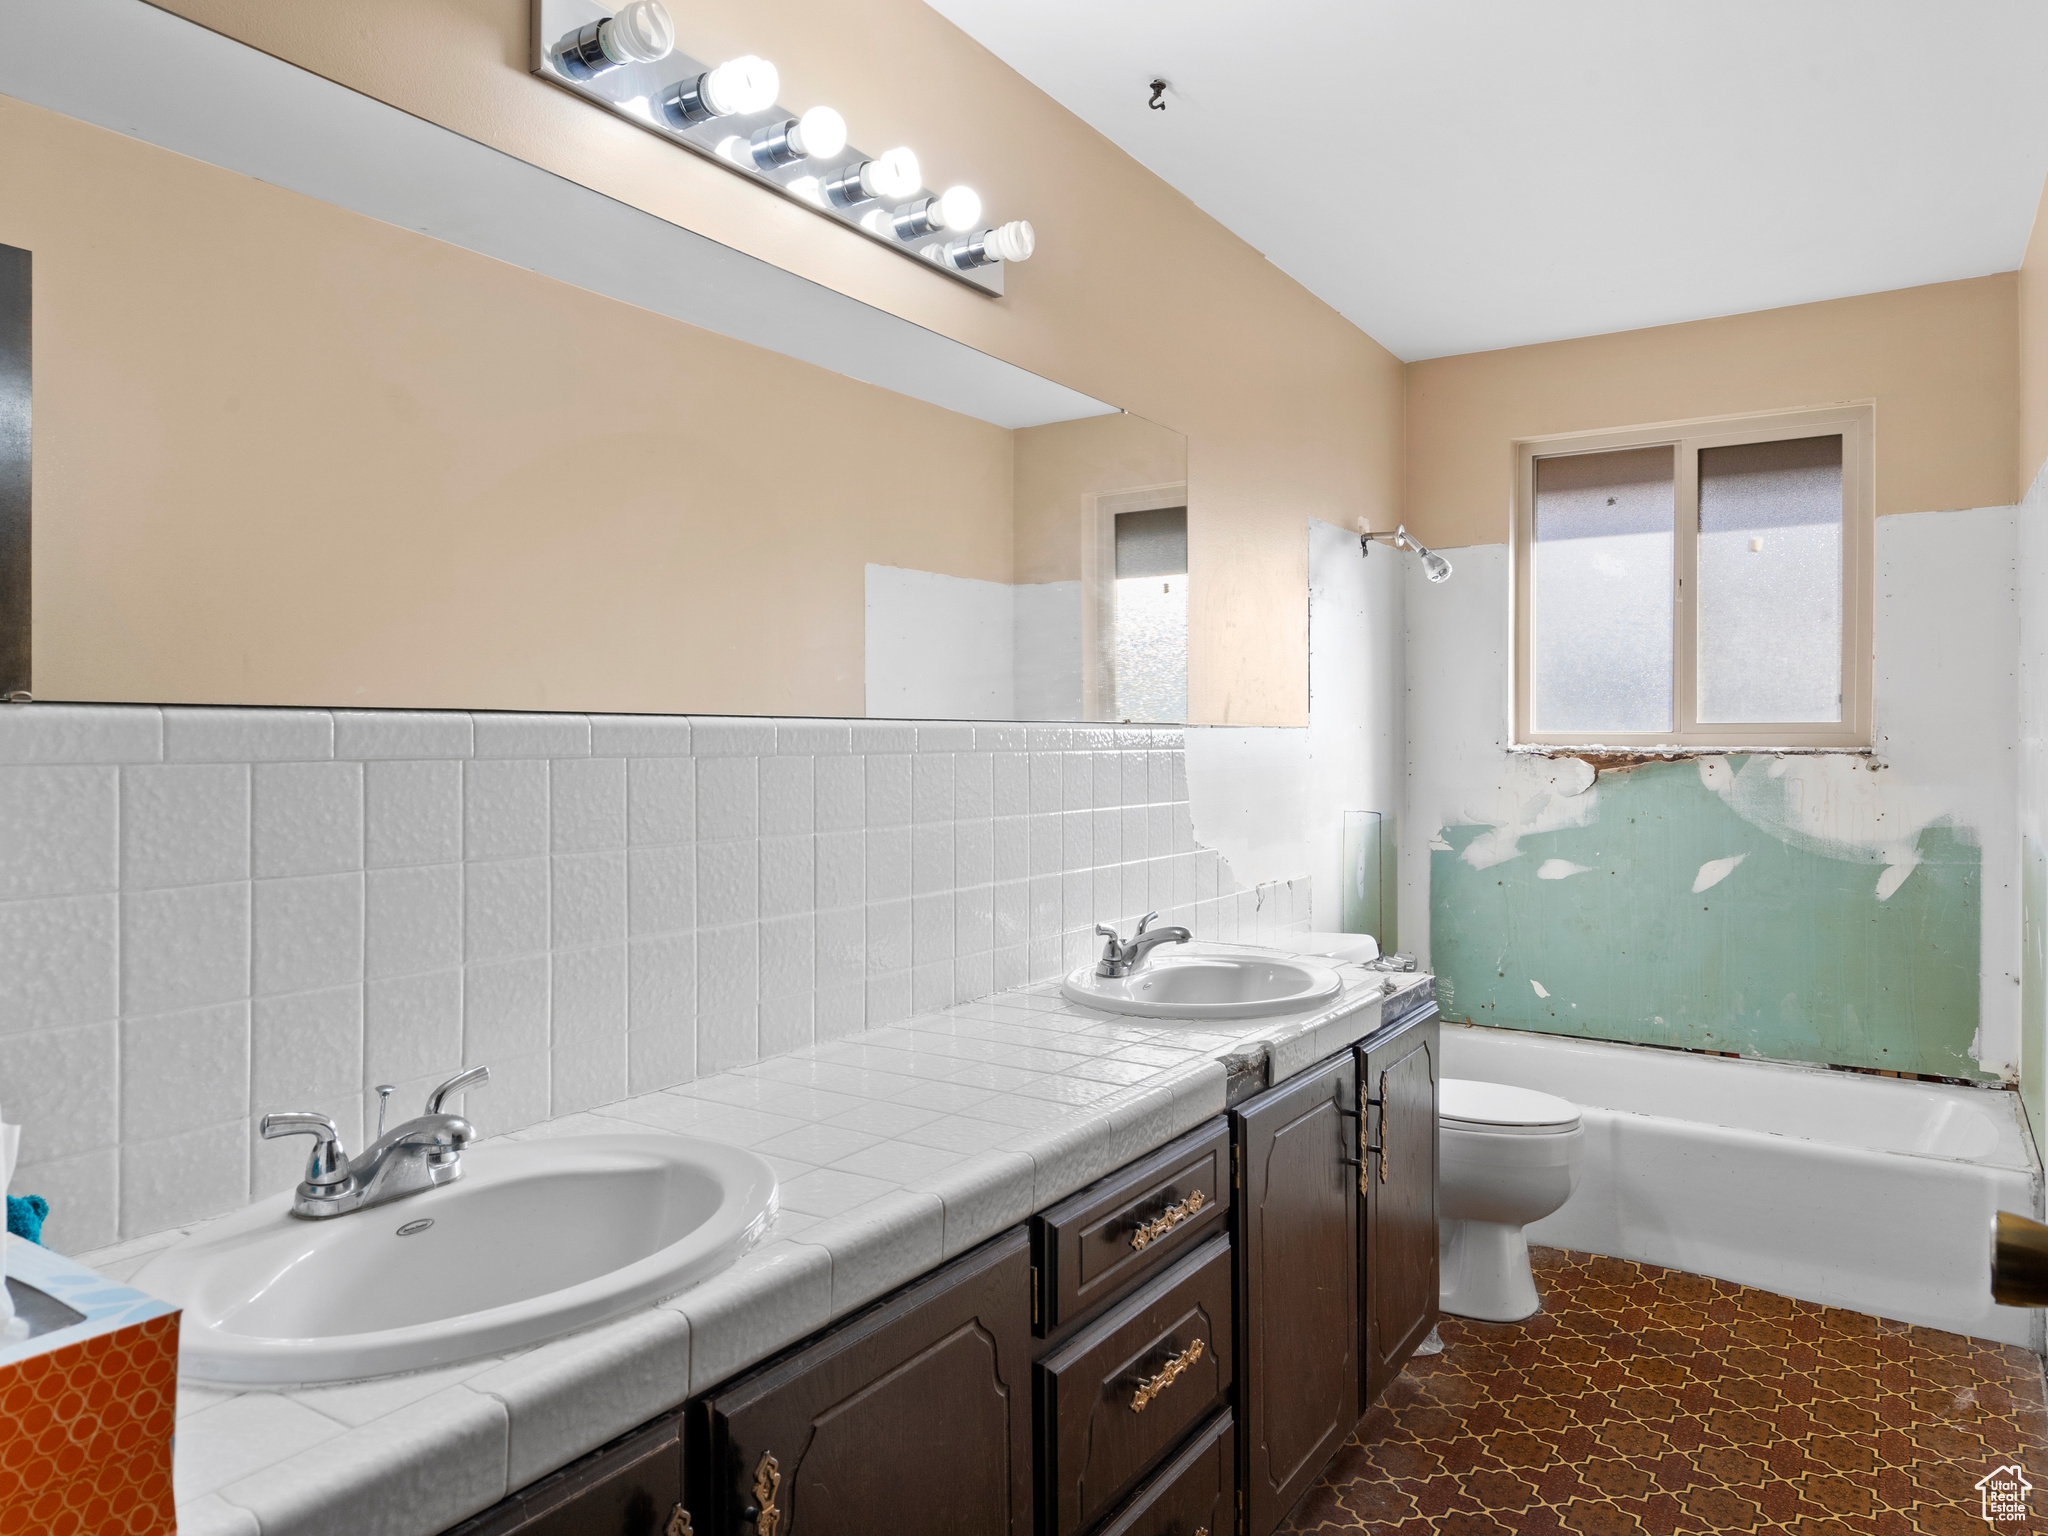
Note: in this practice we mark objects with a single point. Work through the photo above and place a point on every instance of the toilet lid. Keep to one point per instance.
(1464, 1102)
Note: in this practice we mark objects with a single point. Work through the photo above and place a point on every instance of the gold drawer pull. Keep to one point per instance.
(1151, 1231)
(1151, 1387)
(767, 1484)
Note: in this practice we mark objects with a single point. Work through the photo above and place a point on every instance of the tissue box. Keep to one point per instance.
(88, 1403)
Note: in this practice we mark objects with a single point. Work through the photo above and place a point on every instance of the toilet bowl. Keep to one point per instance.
(1507, 1157)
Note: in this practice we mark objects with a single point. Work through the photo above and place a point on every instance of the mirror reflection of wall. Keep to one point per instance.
(291, 453)
(1092, 623)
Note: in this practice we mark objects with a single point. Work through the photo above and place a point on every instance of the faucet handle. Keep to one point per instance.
(327, 1169)
(472, 1077)
(1145, 922)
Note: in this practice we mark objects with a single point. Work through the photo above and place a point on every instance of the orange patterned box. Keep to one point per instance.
(88, 1403)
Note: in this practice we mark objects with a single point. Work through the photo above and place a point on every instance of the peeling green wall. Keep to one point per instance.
(1790, 956)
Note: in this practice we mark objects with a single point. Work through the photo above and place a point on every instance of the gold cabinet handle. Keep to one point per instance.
(1152, 1386)
(767, 1485)
(1151, 1231)
(679, 1523)
(1366, 1150)
(1385, 1105)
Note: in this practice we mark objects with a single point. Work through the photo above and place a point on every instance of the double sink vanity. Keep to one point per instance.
(1172, 1253)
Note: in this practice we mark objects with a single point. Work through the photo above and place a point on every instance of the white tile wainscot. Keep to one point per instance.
(211, 913)
(897, 1147)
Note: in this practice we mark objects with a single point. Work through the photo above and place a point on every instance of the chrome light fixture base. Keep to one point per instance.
(666, 99)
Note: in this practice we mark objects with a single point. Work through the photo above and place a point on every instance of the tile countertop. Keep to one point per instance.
(896, 1148)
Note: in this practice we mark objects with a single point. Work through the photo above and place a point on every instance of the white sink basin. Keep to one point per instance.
(534, 1240)
(1207, 987)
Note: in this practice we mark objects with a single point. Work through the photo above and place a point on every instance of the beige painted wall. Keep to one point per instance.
(287, 454)
(1940, 362)
(2033, 349)
(1134, 296)
(1060, 465)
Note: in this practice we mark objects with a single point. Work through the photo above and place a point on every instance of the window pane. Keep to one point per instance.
(1150, 644)
(1152, 648)
(1600, 591)
(1770, 599)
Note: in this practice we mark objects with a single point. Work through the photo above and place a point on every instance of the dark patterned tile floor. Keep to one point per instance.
(1647, 1400)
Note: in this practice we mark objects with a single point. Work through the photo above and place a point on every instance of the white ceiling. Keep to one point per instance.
(1459, 175)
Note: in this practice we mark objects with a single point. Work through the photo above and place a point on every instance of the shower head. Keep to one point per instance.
(1434, 565)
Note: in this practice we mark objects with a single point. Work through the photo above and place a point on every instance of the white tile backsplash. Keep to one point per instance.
(308, 818)
(214, 912)
(182, 1071)
(72, 1074)
(57, 831)
(181, 823)
(414, 812)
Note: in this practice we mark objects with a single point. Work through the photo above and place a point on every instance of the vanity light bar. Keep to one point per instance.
(626, 62)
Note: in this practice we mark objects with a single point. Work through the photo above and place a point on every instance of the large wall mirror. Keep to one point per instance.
(314, 427)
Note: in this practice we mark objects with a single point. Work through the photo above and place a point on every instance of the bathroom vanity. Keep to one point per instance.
(1179, 1347)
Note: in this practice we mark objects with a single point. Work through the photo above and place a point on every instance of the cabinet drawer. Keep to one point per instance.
(1196, 1494)
(1108, 1236)
(1123, 1391)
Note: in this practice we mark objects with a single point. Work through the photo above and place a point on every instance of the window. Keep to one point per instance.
(1151, 608)
(1700, 585)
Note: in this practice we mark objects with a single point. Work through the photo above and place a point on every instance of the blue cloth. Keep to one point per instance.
(25, 1216)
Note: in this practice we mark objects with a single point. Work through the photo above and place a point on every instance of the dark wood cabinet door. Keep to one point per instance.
(1398, 1255)
(913, 1418)
(1297, 1244)
(631, 1487)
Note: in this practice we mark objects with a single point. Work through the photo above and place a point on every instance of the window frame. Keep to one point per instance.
(1856, 422)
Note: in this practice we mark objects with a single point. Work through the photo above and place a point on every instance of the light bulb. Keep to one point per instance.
(892, 174)
(1014, 241)
(959, 208)
(820, 132)
(741, 85)
(735, 88)
(641, 33)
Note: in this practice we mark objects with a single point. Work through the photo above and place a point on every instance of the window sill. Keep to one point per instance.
(1620, 757)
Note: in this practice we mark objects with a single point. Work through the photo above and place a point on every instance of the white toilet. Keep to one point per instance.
(1507, 1157)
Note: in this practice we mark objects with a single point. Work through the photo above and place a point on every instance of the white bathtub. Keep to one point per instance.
(1855, 1191)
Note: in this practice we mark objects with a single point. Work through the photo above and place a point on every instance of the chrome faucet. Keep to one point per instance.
(403, 1161)
(1120, 959)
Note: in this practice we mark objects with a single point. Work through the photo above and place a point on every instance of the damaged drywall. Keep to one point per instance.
(1696, 925)
(1861, 910)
